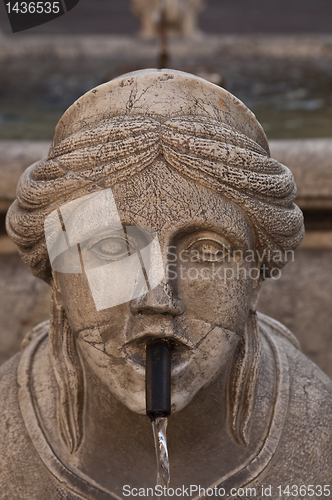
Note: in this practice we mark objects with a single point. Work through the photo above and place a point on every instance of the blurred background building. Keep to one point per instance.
(276, 56)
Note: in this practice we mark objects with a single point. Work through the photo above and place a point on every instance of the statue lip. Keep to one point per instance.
(136, 348)
(146, 327)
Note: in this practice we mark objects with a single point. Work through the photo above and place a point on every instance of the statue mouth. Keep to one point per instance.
(136, 349)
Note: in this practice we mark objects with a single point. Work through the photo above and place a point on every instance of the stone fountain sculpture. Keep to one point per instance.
(181, 16)
(166, 161)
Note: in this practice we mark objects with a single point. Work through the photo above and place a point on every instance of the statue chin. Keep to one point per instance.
(135, 401)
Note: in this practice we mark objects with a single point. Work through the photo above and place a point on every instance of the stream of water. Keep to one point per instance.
(159, 426)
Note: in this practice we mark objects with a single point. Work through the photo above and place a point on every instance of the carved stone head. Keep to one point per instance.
(160, 187)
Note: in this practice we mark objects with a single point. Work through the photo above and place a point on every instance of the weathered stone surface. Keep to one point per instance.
(69, 47)
(318, 240)
(150, 166)
(310, 161)
(301, 300)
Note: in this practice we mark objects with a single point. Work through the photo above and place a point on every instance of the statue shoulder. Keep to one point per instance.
(10, 414)
(11, 421)
(20, 464)
(275, 327)
(9, 390)
(35, 332)
(15, 446)
(302, 370)
(306, 439)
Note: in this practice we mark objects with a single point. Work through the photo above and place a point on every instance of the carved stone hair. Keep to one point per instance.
(98, 152)
(115, 150)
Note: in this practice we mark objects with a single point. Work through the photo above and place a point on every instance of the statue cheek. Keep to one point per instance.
(219, 294)
(209, 359)
(125, 382)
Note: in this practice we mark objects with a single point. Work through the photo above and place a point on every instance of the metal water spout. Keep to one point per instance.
(158, 401)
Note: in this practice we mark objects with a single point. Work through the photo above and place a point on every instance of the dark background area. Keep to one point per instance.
(220, 16)
(291, 96)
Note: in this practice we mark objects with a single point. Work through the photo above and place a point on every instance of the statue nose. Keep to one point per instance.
(159, 300)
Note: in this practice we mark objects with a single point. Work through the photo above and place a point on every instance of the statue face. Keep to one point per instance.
(201, 302)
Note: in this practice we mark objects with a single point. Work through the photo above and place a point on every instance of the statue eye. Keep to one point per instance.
(207, 251)
(110, 248)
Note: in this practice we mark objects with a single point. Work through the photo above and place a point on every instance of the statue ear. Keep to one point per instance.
(257, 284)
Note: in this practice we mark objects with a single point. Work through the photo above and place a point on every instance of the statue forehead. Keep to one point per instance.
(161, 193)
(166, 201)
(161, 94)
